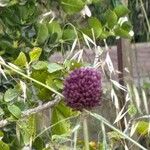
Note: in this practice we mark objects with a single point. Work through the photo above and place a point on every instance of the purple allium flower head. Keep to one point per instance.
(82, 89)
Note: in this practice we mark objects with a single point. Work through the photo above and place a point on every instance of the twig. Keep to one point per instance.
(33, 111)
(40, 108)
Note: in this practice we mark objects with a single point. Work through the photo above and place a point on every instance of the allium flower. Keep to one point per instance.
(82, 89)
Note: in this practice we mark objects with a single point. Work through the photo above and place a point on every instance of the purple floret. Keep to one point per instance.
(82, 89)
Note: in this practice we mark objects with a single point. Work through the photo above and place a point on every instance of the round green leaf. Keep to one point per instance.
(15, 111)
(43, 34)
(53, 67)
(72, 6)
(10, 95)
(68, 34)
(54, 28)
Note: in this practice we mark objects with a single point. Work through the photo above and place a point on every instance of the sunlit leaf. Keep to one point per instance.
(142, 127)
(35, 54)
(21, 60)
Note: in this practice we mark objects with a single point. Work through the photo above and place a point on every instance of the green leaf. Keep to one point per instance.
(96, 25)
(53, 67)
(105, 34)
(127, 26)
(50, 82)
(87, 31)
(122, 33)
(43, 34)
(40, 75)
(10, 95)
(62, 127)
(35, 53)
(1, 112)
(4, 146)
(111, 18)
(21, 60)
(15, 111)
(44, 94)
(58, 83)
(72, 64)
(38, 143)
(1, 135)
(72, 6)
(121, 10)
(65, 110)
(61, 112)
(68, 35)
(40, 65)
(54, 28)
(142, 127)
(27, 128)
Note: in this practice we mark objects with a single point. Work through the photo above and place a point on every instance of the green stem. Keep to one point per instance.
(31, 79)
(85, 132)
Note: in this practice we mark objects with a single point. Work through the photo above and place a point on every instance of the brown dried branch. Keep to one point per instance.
(35, 110)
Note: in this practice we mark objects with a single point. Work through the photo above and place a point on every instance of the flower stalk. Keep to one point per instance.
(85, 132)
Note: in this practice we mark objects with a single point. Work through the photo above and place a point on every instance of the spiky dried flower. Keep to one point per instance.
(83, 89)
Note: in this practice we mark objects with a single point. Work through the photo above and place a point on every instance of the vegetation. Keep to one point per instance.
(33, 112)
